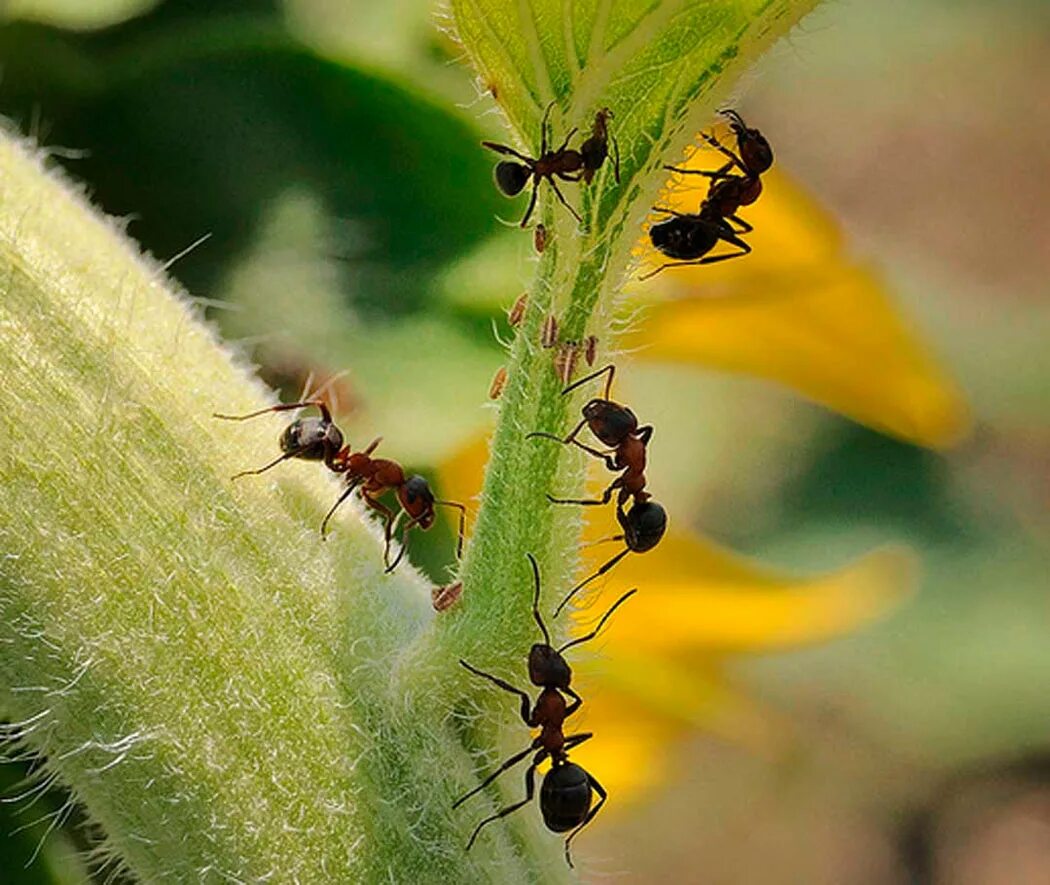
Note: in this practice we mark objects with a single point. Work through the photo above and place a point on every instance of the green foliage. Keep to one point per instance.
(229, 696)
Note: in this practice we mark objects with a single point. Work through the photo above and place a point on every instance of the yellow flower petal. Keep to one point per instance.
(799, 311)
(694, 595)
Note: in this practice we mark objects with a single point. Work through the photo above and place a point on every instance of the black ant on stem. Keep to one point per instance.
(567, 789)
(319, 439)
(617, 427)
(565, 163)
(690, 236)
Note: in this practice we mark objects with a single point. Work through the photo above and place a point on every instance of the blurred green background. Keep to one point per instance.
(311, 170)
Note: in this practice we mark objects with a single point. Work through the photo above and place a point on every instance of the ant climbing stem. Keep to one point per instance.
(319, 439)
(567, 791)
(688, 236)
(564, 163)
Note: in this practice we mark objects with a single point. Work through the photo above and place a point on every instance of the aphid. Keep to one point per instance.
(549, 332)
(690, 236)
(499, 381)
(596, 148)
(319, 439)
(567, 790)
(539, 238)
(590, 349)
(565, 360)
(443, 598)
(564, 163)
(517, 310)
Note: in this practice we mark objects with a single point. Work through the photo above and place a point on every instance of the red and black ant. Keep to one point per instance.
(565, 163)
(616, 426)
(690, 236)
(567, 789)
(319, 439)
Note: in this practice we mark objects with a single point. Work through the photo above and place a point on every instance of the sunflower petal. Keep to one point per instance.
(799, 311)
(697, 596)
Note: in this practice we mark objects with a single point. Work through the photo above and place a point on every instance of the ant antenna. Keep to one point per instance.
(734, 116)
(601, 623)
(259, 470)
(611, 369)
(283, 407)
(536, 599)
(586, 581)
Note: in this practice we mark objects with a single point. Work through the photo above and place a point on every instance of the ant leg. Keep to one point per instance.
(745, 228)
(667, 211)
(532, 201)
(526, 702)
(721, 148)
(510, 763)
(565, 143)
(536, 598)
(507, 152)
(372, 446)
(601, 623)
(283, 407)
(609, 462)
(716, 175)
(574, 740)
(564, 202)
(324, 523)
(611, 369)
(616, 157)
(600, 790)
(577, 702)
(713, 259)
(530, 791)
(273, 463)
(586, 581)
(592, 502)
(462, 522)
(543, 128)
(388, 521)
(404, 544)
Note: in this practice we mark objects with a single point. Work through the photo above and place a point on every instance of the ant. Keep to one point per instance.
(565, 163)
(690, 236)
(567, 789)
(319, 439)
(616, 426)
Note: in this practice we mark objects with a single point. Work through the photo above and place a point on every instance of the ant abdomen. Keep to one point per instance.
(644, 526)
(565, 797)
(683, 238)
(511, 178)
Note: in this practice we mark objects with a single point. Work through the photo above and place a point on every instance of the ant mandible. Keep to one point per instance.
(690, 236)
(319, 439)
(565, 163)
(567, 789)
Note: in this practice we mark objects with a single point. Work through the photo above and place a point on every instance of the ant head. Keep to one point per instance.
(754, 149)
(311, 439)
(643, 525)
(609, 421)
(511, 177)
(418, 500)
(547, 667)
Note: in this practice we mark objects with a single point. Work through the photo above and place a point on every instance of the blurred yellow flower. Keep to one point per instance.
(800, 312)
